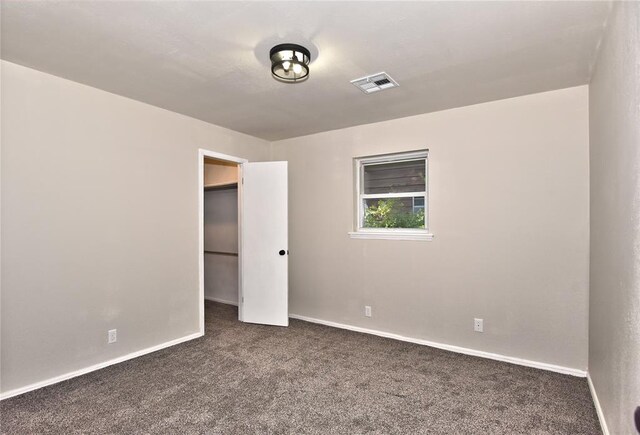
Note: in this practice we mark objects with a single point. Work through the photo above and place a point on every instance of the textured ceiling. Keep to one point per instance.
(209, 60)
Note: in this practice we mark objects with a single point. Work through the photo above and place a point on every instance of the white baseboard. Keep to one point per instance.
(51, 381)
(458, 349)
(596, 402)
(222, 301)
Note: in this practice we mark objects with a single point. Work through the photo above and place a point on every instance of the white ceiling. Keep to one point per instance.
(209, 60)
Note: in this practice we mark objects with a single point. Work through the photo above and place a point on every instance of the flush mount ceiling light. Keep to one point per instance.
(290, 62)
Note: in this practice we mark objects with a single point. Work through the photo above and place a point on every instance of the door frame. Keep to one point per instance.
(202, 153)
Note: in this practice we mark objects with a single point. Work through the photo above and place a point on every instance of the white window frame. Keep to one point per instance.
(389, 233)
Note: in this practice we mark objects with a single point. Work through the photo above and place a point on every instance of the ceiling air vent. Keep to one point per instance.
(375, 83)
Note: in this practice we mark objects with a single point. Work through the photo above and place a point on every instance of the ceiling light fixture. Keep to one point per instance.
(290, 62)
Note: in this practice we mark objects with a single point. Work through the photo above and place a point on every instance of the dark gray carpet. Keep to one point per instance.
(307, 378)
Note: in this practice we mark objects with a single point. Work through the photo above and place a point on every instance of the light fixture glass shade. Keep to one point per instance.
(290, 62)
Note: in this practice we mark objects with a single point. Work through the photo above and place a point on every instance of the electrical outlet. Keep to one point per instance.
(367, 311)
(478, 325)
(113, 336)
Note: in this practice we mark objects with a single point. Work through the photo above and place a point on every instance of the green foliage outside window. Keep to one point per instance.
(389, 214)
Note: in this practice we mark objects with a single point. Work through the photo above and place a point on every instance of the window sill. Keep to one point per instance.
(392, 235)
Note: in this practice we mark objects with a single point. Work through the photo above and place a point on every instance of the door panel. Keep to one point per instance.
(264, 237)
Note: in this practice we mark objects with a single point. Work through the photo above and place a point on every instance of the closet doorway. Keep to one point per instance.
(243, 248)
(221, 270)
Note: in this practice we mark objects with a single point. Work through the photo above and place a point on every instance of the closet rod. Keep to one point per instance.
(232, 254)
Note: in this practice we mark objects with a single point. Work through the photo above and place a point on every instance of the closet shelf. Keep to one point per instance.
(232, 254)
(221, 186)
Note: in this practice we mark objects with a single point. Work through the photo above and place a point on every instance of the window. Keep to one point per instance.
(392, 200)
(418, 204)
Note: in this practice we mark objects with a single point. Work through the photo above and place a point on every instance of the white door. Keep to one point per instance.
(264, 289)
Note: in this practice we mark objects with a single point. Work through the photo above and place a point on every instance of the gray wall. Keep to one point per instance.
(509, 210)
(99, 226)
(99, 223)
(614, 315)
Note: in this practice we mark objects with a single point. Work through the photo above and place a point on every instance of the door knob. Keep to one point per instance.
(282, 252)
